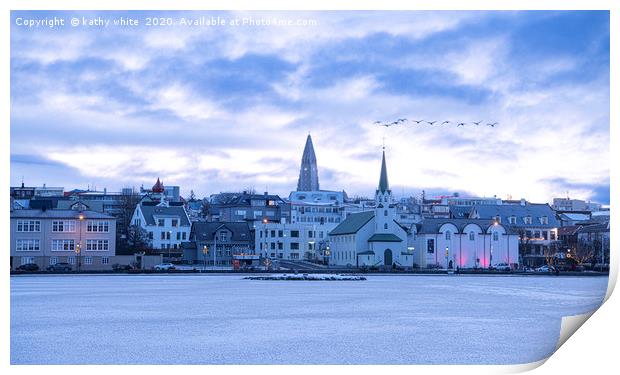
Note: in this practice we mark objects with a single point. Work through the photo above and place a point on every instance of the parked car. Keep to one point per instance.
(28, 267)
(164, 267)
(545, 268)
(503, 267)
(66, 267)
(121, 267)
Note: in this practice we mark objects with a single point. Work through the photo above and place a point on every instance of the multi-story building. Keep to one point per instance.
(84, 239)
(574, 205)
(217, 243)
(535, 223)
(167, 225)
(249, 207)
(291, 241)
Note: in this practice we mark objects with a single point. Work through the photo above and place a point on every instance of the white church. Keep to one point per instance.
(376, 239)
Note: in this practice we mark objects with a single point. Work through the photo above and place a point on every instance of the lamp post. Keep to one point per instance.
(447, 252)
(77, 253)
(327, 254)
(78, 248)
(205, 252)
(214, 247)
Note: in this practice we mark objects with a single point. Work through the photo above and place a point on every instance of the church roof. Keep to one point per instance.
(353, 223)
(383, 179)
(384, 237)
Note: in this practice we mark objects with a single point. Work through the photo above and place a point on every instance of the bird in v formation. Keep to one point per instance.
(418, 122)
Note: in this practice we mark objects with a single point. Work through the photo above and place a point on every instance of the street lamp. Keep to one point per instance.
(78, 248)
(205, 251)
(447, 252)
(169, 244)
(77, 252)
(327, 254)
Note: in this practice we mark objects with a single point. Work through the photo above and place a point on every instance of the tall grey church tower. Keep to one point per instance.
(308, 173)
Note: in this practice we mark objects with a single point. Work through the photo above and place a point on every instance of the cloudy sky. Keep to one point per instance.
(221, 108)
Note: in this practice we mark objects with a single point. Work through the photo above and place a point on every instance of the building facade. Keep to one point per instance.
(84, 239)
(217, 243)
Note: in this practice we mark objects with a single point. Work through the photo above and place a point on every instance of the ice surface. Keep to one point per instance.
(223, 319)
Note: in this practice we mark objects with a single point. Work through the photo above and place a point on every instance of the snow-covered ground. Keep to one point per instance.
(223, 319)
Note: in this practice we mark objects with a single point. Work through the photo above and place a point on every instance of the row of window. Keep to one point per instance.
(162, 222)
(292, 233)
(280, 245)
(61, 245)
(526, 220)
(181, 236)
(71, 260)
(92, 226)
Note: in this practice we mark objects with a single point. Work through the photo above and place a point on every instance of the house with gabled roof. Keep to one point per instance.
(373, 238)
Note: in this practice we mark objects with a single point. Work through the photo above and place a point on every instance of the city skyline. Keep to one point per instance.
(218, 109)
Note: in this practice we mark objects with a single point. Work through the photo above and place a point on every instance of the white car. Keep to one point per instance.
(164, 267)
(545, 268)
(503, 267)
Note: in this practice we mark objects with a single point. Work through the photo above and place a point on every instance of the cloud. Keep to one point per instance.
(215, 108)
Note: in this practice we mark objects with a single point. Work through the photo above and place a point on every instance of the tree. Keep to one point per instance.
(127, 206)
(525, 247)
(137, 239)
(204, 209)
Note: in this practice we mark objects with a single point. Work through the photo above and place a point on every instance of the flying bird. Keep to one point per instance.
(477, 123)
(493, 124)
(417, 121)
(431, 122)
(460, 124)
(376, 122)
(445, 122)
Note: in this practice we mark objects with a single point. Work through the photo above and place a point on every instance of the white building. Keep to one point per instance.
(166, 225)
(373, 238)
(290, 241)
(465, 243)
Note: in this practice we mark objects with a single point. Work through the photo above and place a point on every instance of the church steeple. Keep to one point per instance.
(308, 173)
(383, 194)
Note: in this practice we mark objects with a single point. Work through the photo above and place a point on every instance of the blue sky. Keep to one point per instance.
(219, 108)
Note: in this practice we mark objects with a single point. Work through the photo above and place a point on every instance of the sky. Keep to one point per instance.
(227, 107)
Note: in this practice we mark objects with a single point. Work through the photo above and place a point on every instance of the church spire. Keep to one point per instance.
(383, 179)
(308, 173)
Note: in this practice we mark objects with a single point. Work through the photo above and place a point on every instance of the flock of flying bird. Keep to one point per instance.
(418, 122)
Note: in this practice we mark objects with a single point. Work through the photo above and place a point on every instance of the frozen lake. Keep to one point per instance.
(222, 319)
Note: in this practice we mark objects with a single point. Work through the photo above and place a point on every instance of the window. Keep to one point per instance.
(430, 246)
(88, 260)
(71, 260)
(175, 222)
(544, 220)
(28, 225)
(537, 234)
(63, 245)
(63, 226)
(294, 233)
(178, 236)
(385, 212)
(280, 245)
(527, 220)
(160, 222)
(544, 234)
(512, 220)
(184, 235)
(294, 245)
(97, 245)
(448, 235)
(53, 260)
(552, 235)
(163, 235)
(528, 234)
(105, 260)
(93, 226)
(472, 236)
(27, 245)
(27, 260)
(385, 226)
(495, 236)
(272, 245)
(224, 236)
(273, 233)
(150, 235)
